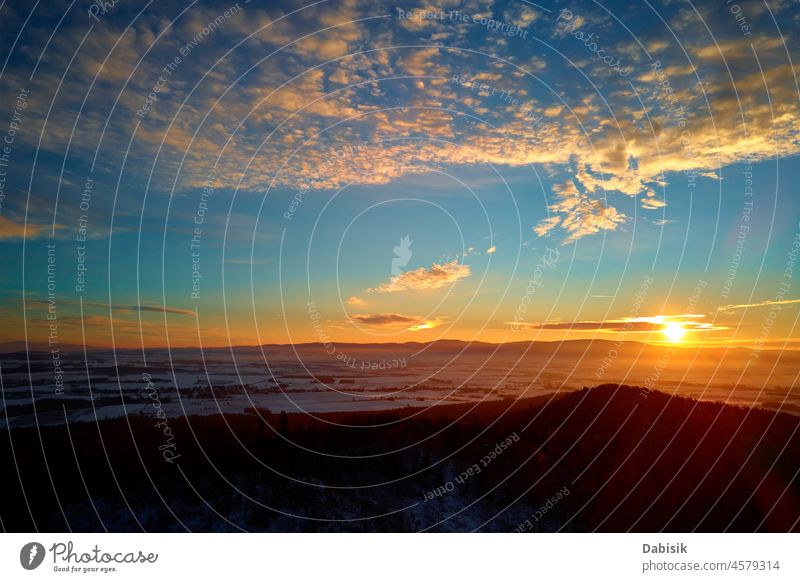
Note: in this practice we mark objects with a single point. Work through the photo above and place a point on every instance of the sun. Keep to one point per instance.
(674, 331)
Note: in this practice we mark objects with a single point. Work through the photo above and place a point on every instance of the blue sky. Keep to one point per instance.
(615, 136)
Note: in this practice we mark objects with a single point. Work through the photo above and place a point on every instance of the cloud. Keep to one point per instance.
(730, 308)
(636, 324)
(611, 325)
(578, 214)
(385, 319)
(650, 203)
(426, 324)
(149, 308)
(9, 229)
(289, 104)
(131, 308)
(397, 320)
(546, 225)
(435, 277)
(491, 250)
(154, 309)
(356, 301)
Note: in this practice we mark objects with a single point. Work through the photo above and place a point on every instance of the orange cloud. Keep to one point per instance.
(356, 301)
(397, 320)
(626, 324)
(579, 214)
(435, 277)
(10, 229)
(730, 308)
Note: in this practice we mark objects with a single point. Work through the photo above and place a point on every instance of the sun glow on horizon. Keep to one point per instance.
(674, 331)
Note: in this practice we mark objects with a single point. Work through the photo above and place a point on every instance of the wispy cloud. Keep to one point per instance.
(9, 229)
(579, 214)
(153, 308)
(637, 324)
(729, 308)
(130, 308)
(356, 301)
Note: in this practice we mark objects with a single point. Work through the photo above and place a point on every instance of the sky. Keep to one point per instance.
(221, 173)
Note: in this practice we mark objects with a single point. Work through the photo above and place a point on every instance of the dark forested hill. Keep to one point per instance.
(608, 458)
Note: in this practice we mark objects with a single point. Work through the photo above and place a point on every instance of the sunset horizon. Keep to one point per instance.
(359, 266)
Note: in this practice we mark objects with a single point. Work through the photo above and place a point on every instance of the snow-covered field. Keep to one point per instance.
(314, 379)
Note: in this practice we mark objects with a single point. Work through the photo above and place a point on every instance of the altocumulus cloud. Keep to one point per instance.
(333, 77)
